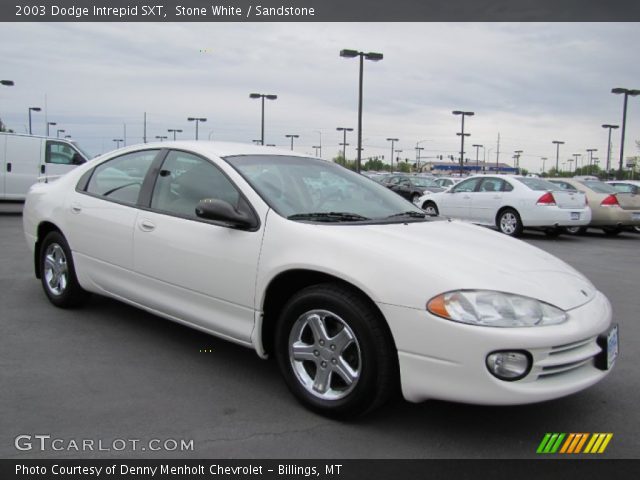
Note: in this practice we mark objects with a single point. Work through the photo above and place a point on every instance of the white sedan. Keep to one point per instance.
(355, 295)
(511, 203)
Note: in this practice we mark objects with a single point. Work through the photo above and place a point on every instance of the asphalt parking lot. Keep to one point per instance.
(109, 371)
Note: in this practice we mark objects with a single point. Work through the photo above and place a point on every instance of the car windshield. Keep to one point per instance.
(598, 187)
(317, 190)
(538, 184)
(424, 182)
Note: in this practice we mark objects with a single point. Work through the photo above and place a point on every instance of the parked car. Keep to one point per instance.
(612, 210)
(26, 158)
(412, 187)
(511, 203)
(239, 241)
(627, 186)
(446, 182)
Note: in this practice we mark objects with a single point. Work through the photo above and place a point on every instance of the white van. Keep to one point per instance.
(26, 158)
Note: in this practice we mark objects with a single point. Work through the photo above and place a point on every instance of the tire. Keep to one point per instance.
(636, 229)
(612, 231)
(334, 352)
(576, 230)
(509, 222)
(430, 209)
(58, 274)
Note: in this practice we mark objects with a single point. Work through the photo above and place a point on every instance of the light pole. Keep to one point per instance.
(174, 131)
(626, 92)
(591, 150)
(610, 127)
(462, 135)
(262, 96)
(257, 142)
(197, 120)
(570, 161)
(393, 141)
(32, 109)
(59, 131)
(374, 57)
(291, 136)
(544, 159)
(478, 147)
(418, 150)
(161, 137)
(517, 158)
(344, 143)
(50, 124)
(319, 143)
(318, 148)
(576, 156)
(118, 140)
(558, 143)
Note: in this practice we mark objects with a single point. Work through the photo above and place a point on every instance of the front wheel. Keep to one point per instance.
(430, 209)
(509, 223)
(58, 274)
(334, 351)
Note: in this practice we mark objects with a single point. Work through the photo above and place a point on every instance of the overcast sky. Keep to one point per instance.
(532, 83)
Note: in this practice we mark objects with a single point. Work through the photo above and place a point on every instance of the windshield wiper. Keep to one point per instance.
(410, 213)
(328, 216)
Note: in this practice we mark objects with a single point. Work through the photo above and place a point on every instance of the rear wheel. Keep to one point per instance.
(576, 230)
(612, 231)
(430, 209)
(58, 274)
(509, 222)
(334, 351)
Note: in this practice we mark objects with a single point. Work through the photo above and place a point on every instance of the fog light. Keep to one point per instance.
(509, 366)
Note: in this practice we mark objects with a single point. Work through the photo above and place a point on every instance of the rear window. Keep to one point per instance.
(537, 184)
(598, 187)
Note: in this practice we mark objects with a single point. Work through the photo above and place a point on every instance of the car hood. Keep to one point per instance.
(409, 263)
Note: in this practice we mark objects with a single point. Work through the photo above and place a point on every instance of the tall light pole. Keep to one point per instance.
(344, 143)
(374, 57)
(59, 131)
(576, 156)
(418, 150)
(517, 158)
(262, 96)
(591, 150)
(393, 141)
(161, 137)
(610, 127)
(6, 83)
(32, 109)
(319, 132)
(626, 92)
(291, 136)
(174, 131)
(317, 149)
(197, 120)
(50, 124)
(557, 143)
(118, 140)
(462, 135)
(544, 160)
(477, 147)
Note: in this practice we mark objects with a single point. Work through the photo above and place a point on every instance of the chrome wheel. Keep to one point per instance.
(508, 223)
(431, 210)
(325, 355)
(56, 271)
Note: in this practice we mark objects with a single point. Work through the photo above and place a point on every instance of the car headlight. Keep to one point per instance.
(494, 309)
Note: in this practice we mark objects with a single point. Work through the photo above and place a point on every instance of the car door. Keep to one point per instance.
(105, 206)
(487, 200)
(198, 272)
(456, 201)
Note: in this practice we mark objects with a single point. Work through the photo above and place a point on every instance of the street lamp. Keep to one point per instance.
(544, 159)
(118, 140)
(318, 148)
(558, 143)
(59, 131)
(418, 150)
(374, 57)
(344, 143)
(591, 150)
(50, 124)
(161, 137)
(291, 136)
(517, 158)
(576, 156)
(626, 93)
(610, 127)
(197, 120)
(477, 147)
(319, 143)
(393, 141)
(462, 135)
(174, 131)
(32, 109)
(257, 142)
(262, 96)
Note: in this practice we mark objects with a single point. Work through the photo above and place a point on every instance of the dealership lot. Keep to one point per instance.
(109, 371)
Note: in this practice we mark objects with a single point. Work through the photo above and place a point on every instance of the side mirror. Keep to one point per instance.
(221, 211)
(77, 159)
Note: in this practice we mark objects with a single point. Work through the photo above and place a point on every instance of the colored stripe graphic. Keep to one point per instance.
(573, 443)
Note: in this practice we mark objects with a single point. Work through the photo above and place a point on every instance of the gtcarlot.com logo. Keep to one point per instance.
(573, 443)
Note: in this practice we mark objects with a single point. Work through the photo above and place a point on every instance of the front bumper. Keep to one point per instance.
(442, 359)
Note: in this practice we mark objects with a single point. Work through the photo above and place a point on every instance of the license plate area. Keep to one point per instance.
(609, 344)
(575, 215)
(635, 215)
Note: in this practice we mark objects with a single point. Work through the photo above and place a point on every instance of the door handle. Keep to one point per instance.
(42, 169)
(8, 167)
(147, 226)
(76, 208)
